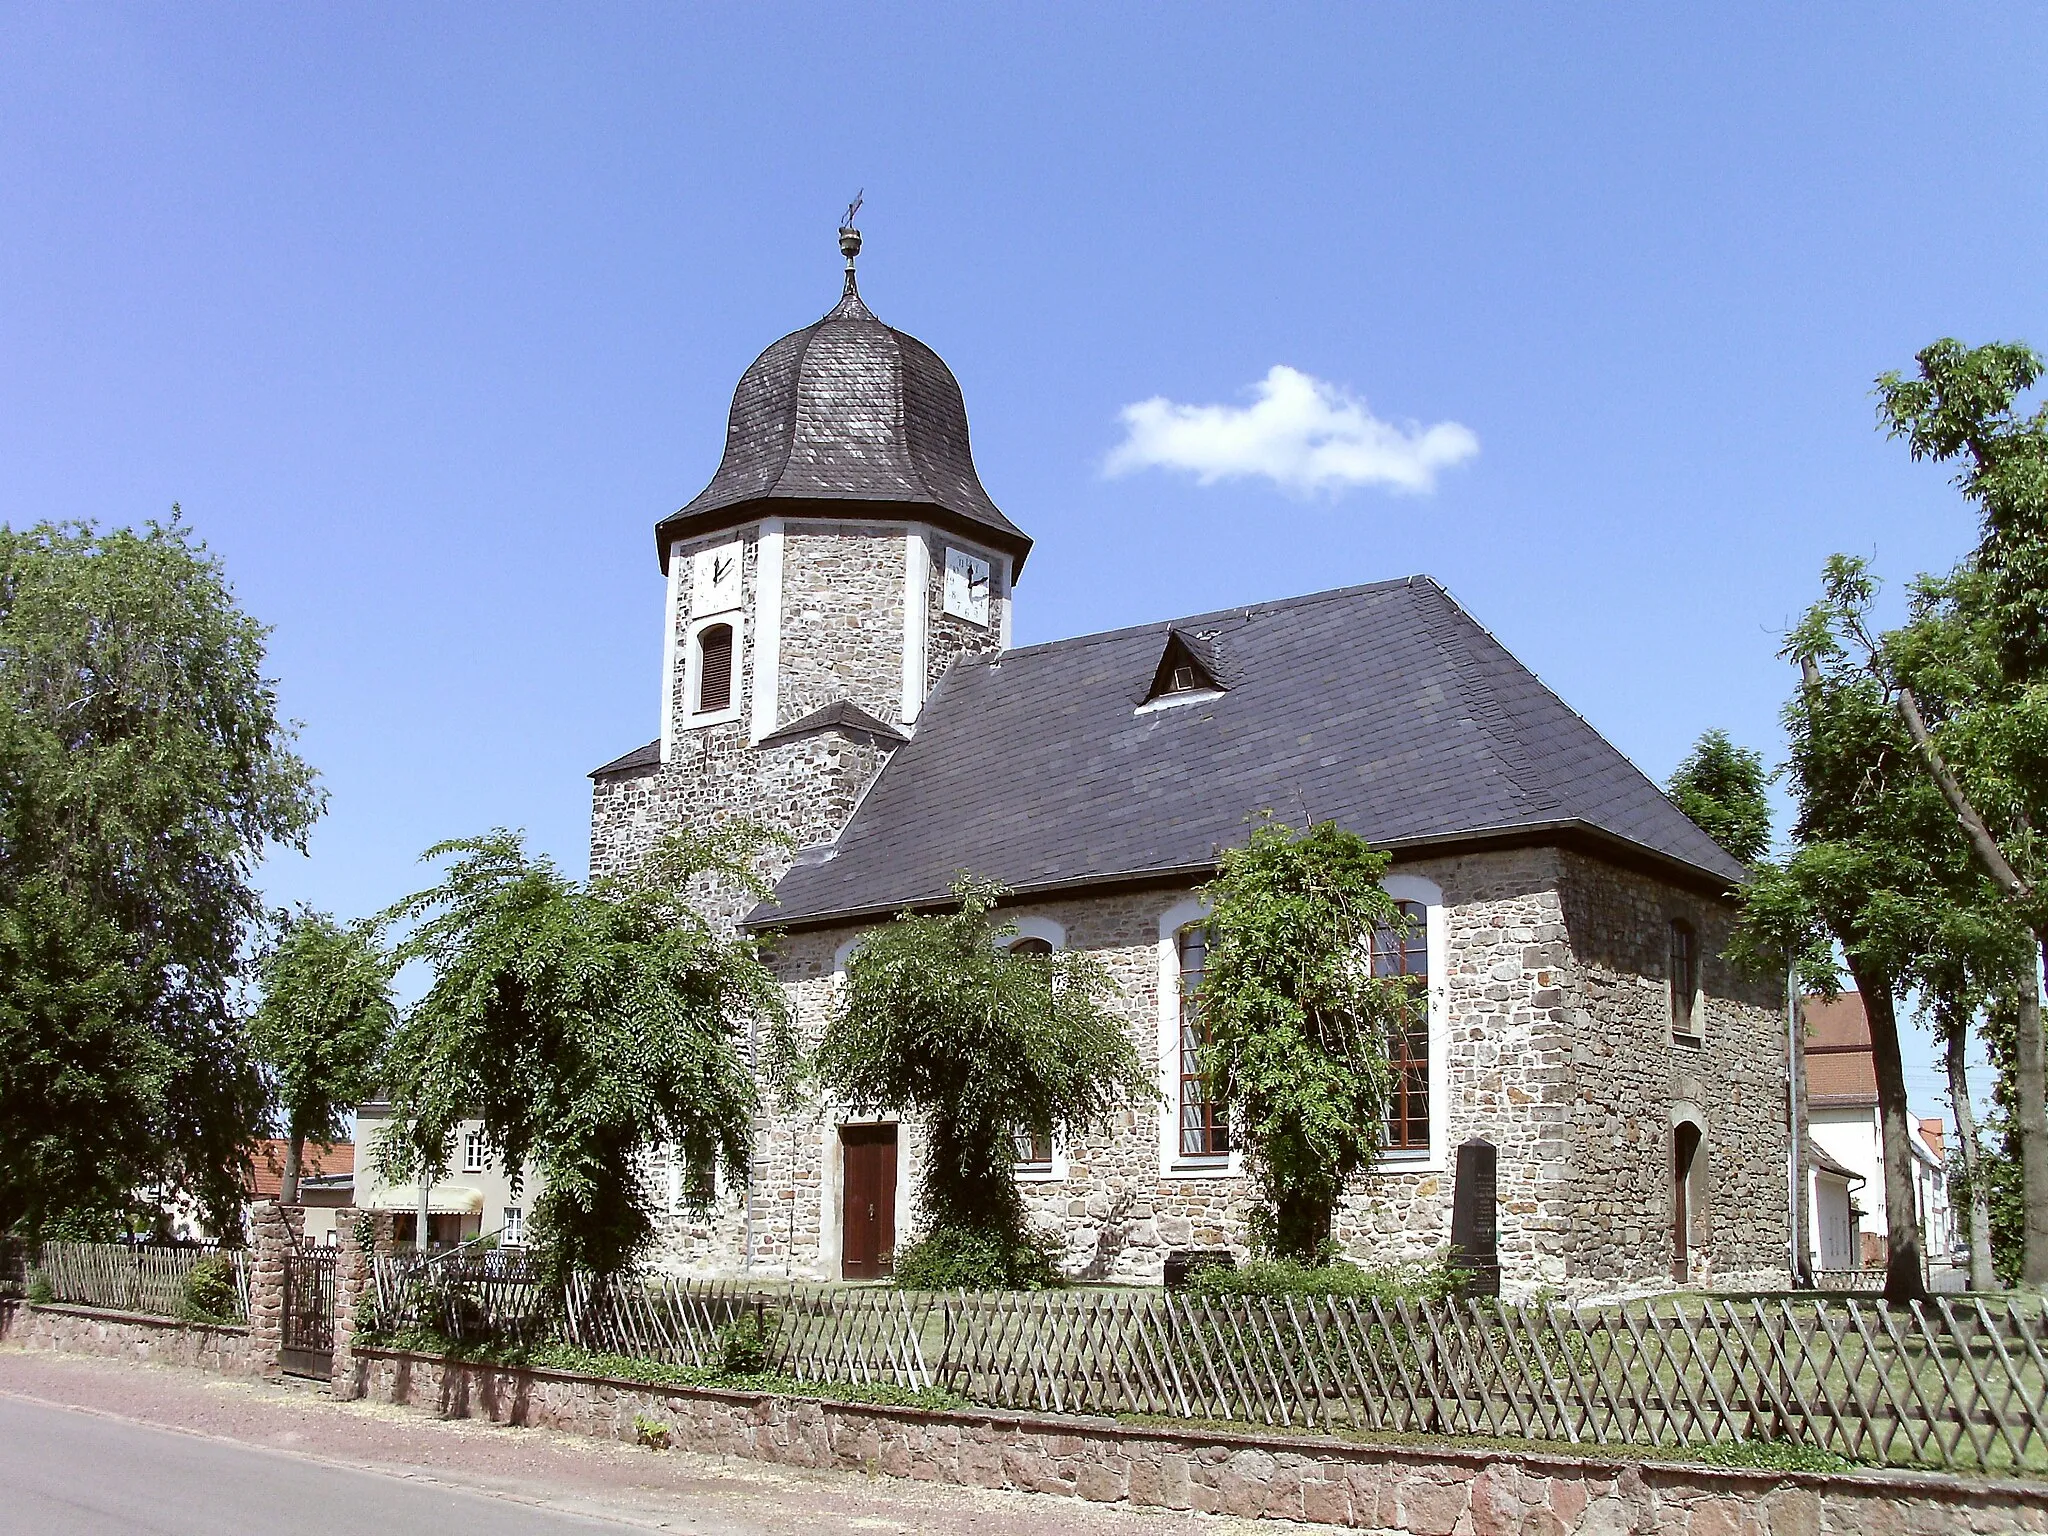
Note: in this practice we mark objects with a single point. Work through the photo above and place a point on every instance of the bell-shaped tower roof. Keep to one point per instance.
(851, 419)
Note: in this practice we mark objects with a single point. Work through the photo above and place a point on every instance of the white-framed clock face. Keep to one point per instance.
(967, 586)
(715, 579)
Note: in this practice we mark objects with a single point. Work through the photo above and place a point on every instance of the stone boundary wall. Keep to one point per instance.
(223, 1348)
(1426, 1491)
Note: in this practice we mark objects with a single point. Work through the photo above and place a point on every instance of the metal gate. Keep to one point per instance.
(308, 1324)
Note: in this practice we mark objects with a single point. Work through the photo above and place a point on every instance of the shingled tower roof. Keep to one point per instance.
(847, 418)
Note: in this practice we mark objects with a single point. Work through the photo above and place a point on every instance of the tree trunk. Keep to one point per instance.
(1904, 1279)
(2030, 1120)
(294, 1150)
(1301, 1226)
(1802, 1123)
(1954, 1048)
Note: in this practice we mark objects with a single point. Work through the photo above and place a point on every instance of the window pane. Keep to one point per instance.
(1203, 1121)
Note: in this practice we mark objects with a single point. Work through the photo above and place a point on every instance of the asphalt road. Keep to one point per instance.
(98, 1445)
(68, 1473)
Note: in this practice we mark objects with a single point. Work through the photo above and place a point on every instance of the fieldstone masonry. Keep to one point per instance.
(1558, 1052)
(1420, 1490)
(361, 1238)
(276, 1231)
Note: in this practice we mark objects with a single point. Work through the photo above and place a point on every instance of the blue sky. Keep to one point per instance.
(427, 315)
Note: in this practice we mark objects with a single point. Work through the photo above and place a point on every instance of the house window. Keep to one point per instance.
(514, 1231)
(1032, 947)
(1403, 952)
(1204, 1119)
(1034, 1150)
(475, 1154)
(714, 669)
(1685, 981)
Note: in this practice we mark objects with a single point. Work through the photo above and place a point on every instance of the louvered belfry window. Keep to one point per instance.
(714, 669)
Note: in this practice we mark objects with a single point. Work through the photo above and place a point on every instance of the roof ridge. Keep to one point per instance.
(1219, 615)
(1440, 615)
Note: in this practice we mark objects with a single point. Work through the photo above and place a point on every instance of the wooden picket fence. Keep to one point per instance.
(1952, 1383)
(143, 1278)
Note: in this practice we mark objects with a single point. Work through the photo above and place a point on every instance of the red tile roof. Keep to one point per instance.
(1839, 1071)
(266, 1160)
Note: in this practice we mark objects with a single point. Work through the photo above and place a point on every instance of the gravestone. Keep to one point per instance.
(1475, 1234)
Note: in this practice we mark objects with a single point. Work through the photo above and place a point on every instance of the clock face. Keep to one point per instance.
(967, 586)
(715, 579)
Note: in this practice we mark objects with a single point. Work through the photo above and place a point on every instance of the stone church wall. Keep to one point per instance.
(1631, 1080)
(1552, 961)
(842, 620)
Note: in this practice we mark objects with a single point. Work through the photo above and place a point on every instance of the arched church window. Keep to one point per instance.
(714, 669)
(1403, 951)
(1034, 1145)
(1204, 1118)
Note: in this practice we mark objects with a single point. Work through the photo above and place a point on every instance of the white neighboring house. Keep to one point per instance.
(1841, 1096)
(1832, 1210)
(475, 1198)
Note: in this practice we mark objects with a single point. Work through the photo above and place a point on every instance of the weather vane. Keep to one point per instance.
(849, 237)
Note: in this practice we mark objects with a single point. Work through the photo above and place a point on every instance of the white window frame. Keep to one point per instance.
(1056, 1170)
(476, 1156)
(1429, 895)
(693, 666)
(1172, 1165)
(513, 1232)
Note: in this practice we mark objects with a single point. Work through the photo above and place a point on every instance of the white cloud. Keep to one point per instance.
(1301, 433)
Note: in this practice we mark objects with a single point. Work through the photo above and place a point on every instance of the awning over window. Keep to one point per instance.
(442, 1200)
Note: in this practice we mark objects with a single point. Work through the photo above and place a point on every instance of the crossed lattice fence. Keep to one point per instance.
(1954, 1383)
(140, 1278)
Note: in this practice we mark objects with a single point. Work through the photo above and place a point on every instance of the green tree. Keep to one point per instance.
(1873, 869)
(1720, 786)
(1298, 1025)
(586, 1025)
(939, 1022)
(1968, 675)
(321, 1028)
(144, 770)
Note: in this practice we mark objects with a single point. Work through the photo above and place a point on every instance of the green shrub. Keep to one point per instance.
(651, 1433)
(40, 1291)
(1289, 1277)
(973, 1259)
(746, 1344)
(210, 1295)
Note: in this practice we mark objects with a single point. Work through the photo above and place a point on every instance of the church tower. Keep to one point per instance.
(842, 556)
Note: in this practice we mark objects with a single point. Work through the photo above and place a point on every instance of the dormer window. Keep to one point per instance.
(1185, 675)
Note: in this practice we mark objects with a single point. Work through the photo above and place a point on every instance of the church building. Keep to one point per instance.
(837, 665)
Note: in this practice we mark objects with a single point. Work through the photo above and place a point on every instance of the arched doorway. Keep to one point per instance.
(1685, 1148)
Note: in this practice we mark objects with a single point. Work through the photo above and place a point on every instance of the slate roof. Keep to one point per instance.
(634, 761)
(856, 416)
(1383, 707)
(840, 715)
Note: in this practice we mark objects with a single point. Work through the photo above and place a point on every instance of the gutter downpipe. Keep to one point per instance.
(1797, 1246)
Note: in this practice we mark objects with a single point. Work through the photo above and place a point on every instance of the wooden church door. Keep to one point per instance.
(867, 1202)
